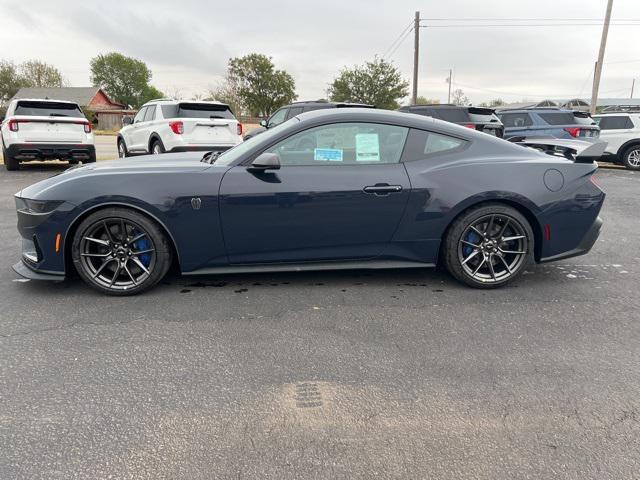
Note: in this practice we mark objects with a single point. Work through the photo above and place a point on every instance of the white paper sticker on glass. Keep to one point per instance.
(367, 147)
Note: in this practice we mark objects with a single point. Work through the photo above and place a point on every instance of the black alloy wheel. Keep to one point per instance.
(489, 246)
(120, 252)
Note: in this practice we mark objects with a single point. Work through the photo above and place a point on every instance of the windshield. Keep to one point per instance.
(233, 154)
(48, 109)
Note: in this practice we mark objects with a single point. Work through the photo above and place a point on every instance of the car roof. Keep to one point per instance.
(536, 110)
(171, 101)
(51, 100)
(333, 104)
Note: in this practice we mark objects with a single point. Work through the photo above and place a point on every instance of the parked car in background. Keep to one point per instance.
(621, 130)
(42, 129)
(477, 118)
(168, 125)
(553, 122)
(333, 189)
(289, 111)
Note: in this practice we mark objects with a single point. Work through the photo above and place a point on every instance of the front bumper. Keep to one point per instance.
(47, 151)
(22, 269)
(584, 247)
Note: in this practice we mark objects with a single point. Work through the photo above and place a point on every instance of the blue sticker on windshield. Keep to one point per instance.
(328, 154)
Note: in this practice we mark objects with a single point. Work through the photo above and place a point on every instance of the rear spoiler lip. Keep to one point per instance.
(578, 151)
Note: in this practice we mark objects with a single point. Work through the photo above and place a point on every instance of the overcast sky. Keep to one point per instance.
(187, 43)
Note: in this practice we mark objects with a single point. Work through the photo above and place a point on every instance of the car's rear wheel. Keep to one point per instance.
(488, 246)
(631, 157)
(122, 149)
(157, 147)
(120, 251)
(10, 162)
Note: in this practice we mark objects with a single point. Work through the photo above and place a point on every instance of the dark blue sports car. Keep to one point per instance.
(337, 189)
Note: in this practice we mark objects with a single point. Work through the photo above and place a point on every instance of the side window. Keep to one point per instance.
(278, 117)
(422, 145)
(614, 123)
(343, 144)
(516, 120)
(151, 113)
(293, 111)
(140, 115)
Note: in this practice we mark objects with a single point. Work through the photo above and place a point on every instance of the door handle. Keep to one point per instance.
(382, 189)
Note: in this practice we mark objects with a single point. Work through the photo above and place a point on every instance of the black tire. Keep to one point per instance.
(107, 260)
(123, 152)
(631, 157)
(463, 254)
(91, 159)
(10, 162)
(157, 147)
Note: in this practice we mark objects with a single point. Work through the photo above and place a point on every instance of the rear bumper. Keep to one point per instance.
(25, 271)
(200, 148)
(584, 247)
(46, 151)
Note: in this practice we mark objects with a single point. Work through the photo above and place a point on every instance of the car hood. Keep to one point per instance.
(172, 164)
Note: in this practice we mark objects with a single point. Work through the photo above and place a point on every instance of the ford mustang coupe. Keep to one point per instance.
(336, 189)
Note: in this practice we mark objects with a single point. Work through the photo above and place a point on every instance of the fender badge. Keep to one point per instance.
(196, 203)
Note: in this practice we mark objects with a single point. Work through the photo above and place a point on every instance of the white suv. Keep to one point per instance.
(42, 129)
(178, 126)
(621, 131)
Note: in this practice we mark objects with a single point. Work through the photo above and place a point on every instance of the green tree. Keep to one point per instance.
(225, 92)
(497, 102)
(36, 73)
(125, 79)
(10, 81)
(377, 83)
(256, 82)
(459, 98)
(421, 100)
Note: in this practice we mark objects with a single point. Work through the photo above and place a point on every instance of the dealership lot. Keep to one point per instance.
(401, 374)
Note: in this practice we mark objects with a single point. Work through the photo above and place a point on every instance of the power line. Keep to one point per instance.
(390, 55)
(520, 25)
(525, 19)
(398, 38)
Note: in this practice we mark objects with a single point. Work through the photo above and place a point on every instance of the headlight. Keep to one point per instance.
(37, 206)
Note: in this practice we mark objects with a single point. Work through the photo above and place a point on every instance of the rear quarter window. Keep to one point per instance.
(558, 118)
(422, 145)
(621, 122)
(48, 109)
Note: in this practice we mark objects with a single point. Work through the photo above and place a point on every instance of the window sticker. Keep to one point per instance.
(367, 147)
(327, 154)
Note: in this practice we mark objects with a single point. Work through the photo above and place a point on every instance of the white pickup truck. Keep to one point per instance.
(168, 125)
(42, 129)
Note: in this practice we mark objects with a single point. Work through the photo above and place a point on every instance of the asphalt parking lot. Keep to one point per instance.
(387, 374)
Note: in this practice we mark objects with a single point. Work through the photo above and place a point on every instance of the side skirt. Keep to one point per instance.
(308, 267)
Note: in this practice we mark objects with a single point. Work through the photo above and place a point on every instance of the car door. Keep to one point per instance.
(134, 142)
(144, 130)
(339, 195)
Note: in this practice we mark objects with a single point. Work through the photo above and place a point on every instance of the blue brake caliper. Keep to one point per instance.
(472, 237)
(143, 244)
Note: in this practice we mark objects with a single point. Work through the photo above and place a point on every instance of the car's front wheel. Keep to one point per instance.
(120, 251)
(631, 157)
(122, 149)
(488, 246)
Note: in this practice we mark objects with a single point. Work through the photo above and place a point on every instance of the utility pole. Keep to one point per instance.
(598, 72)
(450, 80)
(416, 52)
(633, 84)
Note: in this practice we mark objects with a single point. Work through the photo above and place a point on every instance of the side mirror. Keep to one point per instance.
(264, 162)
(127, 121)
(264, 123)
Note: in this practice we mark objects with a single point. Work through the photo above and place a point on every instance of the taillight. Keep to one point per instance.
(573, 131)
(470, 125)
(87, 127)
(177, 127)
(239, 128)
(547, 232)
(13, 125)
